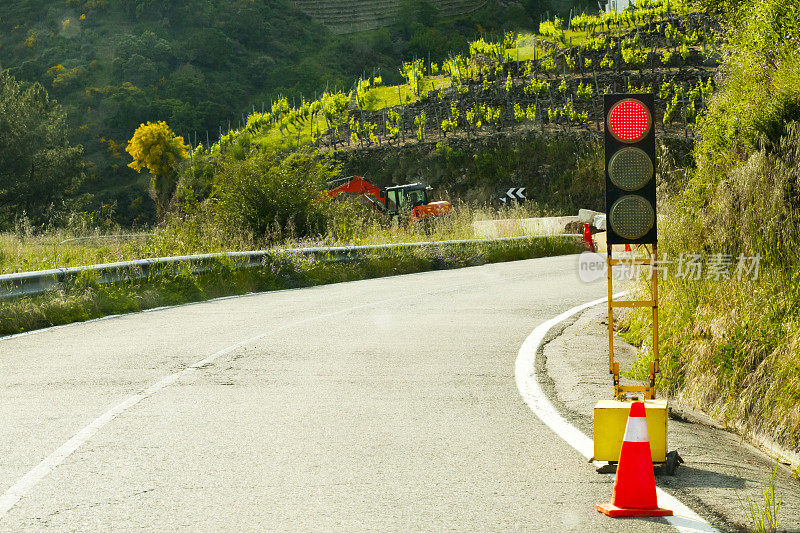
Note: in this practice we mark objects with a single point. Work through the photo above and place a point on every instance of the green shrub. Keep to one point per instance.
(273, 190)
(759, 89)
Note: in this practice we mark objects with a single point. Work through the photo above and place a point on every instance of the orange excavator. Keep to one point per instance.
(395, 201)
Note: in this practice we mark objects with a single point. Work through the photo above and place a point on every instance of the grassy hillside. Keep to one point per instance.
(730, 330)
(198, 66)
(525, 82)
(468, 126)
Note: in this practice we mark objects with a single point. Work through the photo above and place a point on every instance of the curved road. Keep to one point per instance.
(386, 404)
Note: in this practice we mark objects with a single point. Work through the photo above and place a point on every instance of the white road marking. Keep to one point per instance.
(685, 520)
(23, 485)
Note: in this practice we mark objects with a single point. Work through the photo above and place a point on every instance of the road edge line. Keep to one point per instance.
(685, 520)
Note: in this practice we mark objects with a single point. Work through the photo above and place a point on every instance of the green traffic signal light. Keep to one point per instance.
(632, 217)
(630, 169)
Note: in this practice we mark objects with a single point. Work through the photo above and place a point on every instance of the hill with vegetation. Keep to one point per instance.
(362, 15)
(200, 66)
(495, 116)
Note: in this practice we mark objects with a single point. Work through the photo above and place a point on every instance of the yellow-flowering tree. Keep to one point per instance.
(155, 147)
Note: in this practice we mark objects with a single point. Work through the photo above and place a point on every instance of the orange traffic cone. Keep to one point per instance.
(635, 484)
(587, 237)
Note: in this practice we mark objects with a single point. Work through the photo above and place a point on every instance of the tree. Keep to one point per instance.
(155, 147)
(126, 103)
(39, 170)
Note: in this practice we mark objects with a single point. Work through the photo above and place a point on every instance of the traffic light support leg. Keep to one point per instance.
(654, 364)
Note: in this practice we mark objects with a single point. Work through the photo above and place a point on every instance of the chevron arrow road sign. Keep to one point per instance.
(514, 193)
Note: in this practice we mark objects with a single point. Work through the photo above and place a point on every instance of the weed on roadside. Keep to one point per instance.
(763, 515)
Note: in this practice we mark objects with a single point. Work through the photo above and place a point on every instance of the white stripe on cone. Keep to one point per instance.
(636, 429)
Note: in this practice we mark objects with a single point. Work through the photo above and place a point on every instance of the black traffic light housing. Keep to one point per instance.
(630, 169)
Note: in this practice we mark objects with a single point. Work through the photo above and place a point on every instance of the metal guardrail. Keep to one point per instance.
(124, 236)
(38, 282)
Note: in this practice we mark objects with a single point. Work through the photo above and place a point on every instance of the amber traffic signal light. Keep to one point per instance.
(630, 146)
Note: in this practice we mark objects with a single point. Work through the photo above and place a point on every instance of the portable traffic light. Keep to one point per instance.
(630, 219)
(630, 144)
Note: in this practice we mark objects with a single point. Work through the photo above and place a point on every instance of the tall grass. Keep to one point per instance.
(729, 346)
(763, 516)
(84, 298)
(348, 223)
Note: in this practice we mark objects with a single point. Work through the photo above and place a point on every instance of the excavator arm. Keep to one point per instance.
(360, 186)
(411, 199)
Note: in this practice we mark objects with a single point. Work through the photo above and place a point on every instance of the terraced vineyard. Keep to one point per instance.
(363, 15)
(559, 89)
(551, 83)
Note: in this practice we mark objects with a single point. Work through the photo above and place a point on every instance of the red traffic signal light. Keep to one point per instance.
(629, 120)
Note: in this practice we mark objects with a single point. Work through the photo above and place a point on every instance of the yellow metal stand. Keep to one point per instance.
(611, 416)
(620, 392)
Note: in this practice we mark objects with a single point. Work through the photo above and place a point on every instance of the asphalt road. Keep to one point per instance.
(387, 404)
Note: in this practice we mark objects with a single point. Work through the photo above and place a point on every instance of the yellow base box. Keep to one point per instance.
(610, 417)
